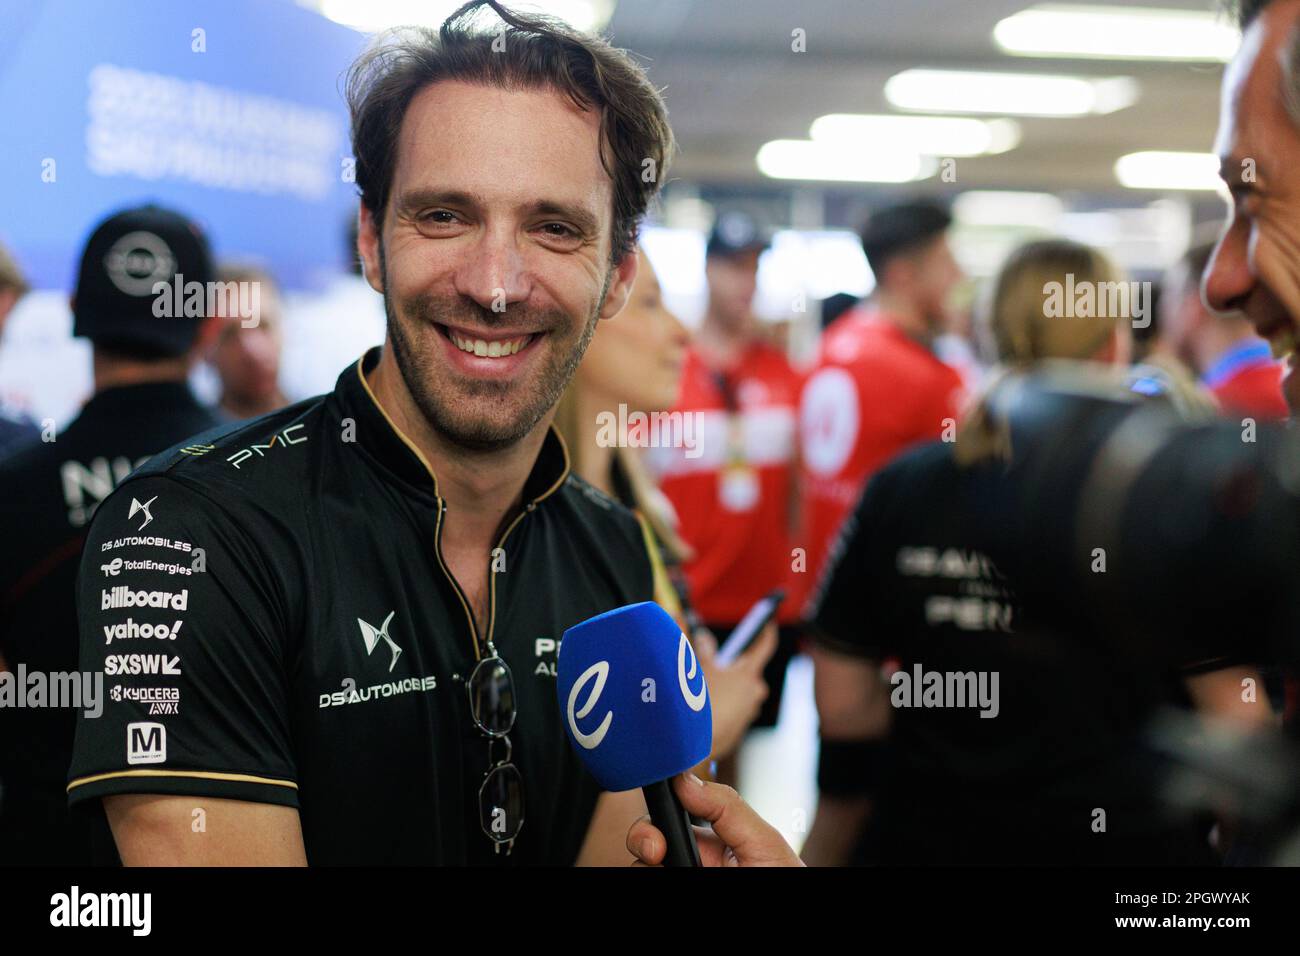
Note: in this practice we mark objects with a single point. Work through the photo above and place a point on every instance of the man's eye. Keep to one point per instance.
(437, 217)
(559, 230)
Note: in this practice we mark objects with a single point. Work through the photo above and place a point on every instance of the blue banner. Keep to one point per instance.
(230, 112)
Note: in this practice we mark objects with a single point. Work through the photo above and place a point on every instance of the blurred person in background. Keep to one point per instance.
(246, 357)
(16, 429)
(636, 360)
(955, 346)
(1233, 363)
(734, 492)
(876, 385)
(328, 329)
(833, 306)
(925, 575)
(141, 405)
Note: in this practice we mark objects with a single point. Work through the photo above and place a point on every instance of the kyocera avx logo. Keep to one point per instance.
(125, 597)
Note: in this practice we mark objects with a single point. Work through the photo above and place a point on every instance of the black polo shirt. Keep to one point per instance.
(314, 647)
(50, 491)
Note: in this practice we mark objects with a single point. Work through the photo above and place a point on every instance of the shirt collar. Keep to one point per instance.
(170, 395)
(380, 436)
(1237, 358)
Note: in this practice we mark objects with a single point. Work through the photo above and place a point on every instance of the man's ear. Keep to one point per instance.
(620, 285)
(368, 248)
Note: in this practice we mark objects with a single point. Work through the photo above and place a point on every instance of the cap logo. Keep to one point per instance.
(137, 261)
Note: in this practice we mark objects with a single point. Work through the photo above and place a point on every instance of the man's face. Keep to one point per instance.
(1256, 266)
(934, 275)
(495, 256)
(8, 299)
(733, 282)
(247, 359)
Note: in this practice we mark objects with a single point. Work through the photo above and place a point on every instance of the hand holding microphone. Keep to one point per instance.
(740, 837)
(635, 705)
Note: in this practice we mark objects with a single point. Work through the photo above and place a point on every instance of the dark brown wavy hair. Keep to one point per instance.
(523, 52)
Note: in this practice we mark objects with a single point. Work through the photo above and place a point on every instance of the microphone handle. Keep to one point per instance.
(668, 814)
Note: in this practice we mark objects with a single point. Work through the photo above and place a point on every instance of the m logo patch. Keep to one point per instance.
(146, 743)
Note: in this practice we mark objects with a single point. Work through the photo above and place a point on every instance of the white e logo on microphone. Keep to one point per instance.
(693, 701)
(600, 671)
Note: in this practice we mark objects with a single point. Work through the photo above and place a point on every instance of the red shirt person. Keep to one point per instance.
(732, 491)
(1233, 363)
(876, 387)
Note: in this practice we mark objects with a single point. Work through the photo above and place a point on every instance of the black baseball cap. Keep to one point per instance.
(896, 230)
(735, 233)
(125, 257)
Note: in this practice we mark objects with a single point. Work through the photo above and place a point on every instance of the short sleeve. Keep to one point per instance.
(850, 584)
(182, 616)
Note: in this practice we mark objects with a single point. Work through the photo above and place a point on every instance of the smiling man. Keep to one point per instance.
(1256, 266)
(331, 633)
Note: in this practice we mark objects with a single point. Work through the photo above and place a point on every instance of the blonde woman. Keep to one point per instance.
(635, 361)
(1050, 723)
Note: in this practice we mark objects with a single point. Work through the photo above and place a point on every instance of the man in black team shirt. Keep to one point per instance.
(141, 405)
(14, 431)
(1016, 712)
(1014, 719)
(362, 669)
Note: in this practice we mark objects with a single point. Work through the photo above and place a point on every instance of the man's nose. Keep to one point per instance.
(1228, 280)
(492, 272)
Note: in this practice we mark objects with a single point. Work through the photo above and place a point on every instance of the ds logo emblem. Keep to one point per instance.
(137, 508)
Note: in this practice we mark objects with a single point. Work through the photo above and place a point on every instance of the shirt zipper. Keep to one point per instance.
(492, 571)
(437, 550)
(492, 575)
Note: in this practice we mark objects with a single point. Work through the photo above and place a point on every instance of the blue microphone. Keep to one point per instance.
(636, 709)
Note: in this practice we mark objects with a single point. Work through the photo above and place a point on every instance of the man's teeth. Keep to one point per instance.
(489, 349)
(1282, 342)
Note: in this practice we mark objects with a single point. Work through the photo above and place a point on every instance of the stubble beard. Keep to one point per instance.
(421, 372)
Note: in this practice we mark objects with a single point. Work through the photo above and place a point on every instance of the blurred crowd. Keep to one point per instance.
(753, 487)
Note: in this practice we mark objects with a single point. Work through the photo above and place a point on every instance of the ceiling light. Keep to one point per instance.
(371, 16)
(980, 207)
(807, 159)
(1117, 33)
(1018, 94)
(929, 135)
(1155, 169)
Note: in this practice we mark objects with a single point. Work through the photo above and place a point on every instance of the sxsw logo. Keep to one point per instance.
(146, 743)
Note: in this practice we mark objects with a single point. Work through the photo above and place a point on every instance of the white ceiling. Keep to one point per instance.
(732, 83)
